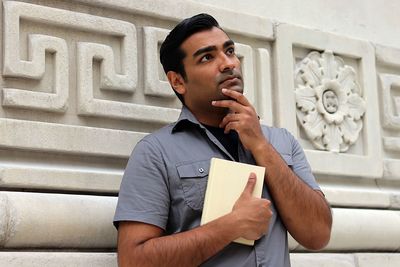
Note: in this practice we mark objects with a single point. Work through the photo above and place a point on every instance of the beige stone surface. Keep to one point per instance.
(57, 259)
(38, 220)
(357, 197)
(50, 137)
(365, 230)
(344, 260)
(377, 259)
(368, 20)
(12, 176)
(322, 260)
(254, 26)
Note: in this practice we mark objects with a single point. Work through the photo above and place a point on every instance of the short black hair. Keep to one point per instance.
(171, 55)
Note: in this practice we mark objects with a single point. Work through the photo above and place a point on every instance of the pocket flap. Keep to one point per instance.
(196, 169)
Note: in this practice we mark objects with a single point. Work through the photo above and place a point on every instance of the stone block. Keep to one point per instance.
(361, 230)
(50, 137)
(322, 260)
(343, 196)
(60, 179)
(365, 230)
(377, 259)
(37, 220)
(57, 259)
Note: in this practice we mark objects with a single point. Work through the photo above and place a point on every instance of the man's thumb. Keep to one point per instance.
(251, 183)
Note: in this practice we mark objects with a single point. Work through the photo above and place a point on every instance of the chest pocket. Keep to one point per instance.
(193, 178)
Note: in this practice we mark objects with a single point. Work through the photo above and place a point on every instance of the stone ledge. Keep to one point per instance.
(362, 230)
(60, 221)
(57, 259)
(80, 259)
(249, 25)
(35, 220)
(36, 178)
(67, 139)
(345, 260)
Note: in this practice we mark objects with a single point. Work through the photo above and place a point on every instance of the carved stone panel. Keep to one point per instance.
(81, 86)
(330, 104)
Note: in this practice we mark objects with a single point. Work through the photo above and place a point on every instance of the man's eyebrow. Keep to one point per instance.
(212, 48)
(205, 50)
(228, 43)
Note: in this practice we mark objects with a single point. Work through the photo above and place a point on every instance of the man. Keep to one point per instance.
(162, 192)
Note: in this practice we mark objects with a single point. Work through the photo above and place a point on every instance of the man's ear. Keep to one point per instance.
(177, 82)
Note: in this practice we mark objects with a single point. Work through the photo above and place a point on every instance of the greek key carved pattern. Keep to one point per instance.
(88, 105)
(153, 85)
(35, 67)
(245, 54)
(391, 104)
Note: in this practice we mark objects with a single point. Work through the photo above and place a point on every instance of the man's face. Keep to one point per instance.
(210, 65)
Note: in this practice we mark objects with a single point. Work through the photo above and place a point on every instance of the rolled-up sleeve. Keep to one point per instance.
(300, 164)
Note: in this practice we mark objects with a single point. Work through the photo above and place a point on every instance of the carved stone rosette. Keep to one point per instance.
(328, 101)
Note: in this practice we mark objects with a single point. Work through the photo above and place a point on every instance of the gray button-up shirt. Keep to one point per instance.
(166, 177)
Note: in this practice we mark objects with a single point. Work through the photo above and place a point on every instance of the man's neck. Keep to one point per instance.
(210, 118)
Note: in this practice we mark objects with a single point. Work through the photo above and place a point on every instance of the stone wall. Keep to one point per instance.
(81, 84)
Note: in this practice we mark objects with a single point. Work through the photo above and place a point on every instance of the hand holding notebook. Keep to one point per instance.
(225, 187)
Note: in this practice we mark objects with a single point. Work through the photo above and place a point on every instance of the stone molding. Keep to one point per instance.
(57, 259)
(65, 227)
(247, 25)
(361, 230)
(344, 260)
(60, 179)
(67, 139)
(53, 259)
(43, 221)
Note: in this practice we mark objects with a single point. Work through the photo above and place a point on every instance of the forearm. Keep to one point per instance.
(304, 211)
(189, 248)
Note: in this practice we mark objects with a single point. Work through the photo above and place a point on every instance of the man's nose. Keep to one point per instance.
(228, 62)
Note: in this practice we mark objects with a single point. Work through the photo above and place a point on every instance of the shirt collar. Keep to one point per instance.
(185, 117)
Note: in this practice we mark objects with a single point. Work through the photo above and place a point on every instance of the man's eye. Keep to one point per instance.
(230, 51)
(205, 58)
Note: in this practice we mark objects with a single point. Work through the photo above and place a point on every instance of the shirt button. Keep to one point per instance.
(201, 170)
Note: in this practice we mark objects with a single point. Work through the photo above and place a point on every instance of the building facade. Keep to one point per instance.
(82, 83)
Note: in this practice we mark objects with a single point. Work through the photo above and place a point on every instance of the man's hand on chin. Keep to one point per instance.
(242, 118)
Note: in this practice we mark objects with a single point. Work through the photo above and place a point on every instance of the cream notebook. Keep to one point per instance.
(226, 181)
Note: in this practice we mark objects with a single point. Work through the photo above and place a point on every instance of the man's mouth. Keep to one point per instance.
(231, 79)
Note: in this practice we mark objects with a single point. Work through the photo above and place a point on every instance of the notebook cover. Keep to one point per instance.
(226, 182)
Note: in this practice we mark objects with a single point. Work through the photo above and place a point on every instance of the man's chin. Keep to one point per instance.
(237, 88)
